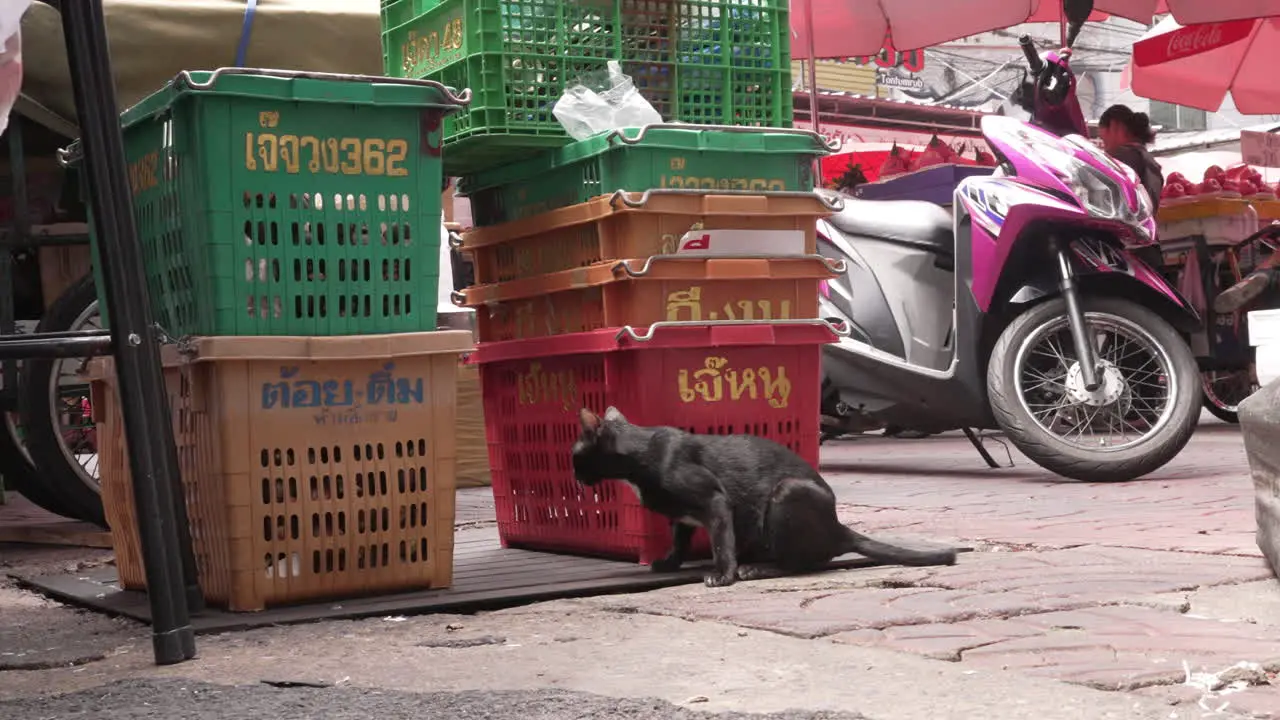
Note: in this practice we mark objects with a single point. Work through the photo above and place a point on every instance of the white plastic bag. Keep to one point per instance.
(601, 103)
(10, 56)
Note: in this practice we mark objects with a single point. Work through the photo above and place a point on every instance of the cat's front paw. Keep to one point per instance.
(717, 580)
(666, 565)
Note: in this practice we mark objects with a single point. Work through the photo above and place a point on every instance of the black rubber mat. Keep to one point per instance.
(486, 577)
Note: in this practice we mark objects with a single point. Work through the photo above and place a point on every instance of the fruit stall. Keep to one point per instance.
(1213, 229)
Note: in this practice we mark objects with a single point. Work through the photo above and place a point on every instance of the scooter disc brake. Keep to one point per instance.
(1111, 388)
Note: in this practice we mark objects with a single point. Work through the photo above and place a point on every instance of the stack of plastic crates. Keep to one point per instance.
(290, 232)
(709, 62)
(668, 271)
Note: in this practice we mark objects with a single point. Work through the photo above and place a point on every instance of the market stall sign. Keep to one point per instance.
(900, 81)
(1260, 148)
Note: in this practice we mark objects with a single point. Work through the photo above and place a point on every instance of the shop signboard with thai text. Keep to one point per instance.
(852, 136)
(888, 57)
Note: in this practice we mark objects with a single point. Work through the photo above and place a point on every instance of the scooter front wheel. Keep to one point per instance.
(1140, 416)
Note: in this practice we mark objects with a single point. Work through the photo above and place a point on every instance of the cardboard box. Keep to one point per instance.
(473, 450)
(61, 265)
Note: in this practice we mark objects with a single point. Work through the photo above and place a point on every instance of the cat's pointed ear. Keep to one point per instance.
(590, 421)
(613, 415)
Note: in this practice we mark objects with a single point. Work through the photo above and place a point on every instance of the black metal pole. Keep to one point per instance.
(147, 424)
(20, 347)
(18, 171)
(190, 576)
(57, 335)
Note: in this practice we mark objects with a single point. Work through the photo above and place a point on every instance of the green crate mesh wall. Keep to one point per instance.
(247, 232)
(700, 158)
(699, 61)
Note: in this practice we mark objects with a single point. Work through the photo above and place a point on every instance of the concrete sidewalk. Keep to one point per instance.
(1142, 600)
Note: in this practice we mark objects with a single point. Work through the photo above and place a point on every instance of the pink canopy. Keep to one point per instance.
(10, 58)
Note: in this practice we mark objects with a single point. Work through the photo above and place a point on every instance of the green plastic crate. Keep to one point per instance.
(656, 156)
(708, 62)
(281, 203)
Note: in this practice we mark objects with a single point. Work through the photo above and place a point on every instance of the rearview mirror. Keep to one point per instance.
(1077, 13)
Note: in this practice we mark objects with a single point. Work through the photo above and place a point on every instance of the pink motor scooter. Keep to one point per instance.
(1024, 308)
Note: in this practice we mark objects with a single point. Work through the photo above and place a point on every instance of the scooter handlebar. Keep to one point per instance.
(1033, 56)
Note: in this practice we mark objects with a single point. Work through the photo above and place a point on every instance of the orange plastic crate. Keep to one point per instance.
(642, 292)
(313, 467)
(630, 225)
(1201, 207)
(1268, 210)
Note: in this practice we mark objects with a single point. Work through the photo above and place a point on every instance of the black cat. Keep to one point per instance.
(768, 512)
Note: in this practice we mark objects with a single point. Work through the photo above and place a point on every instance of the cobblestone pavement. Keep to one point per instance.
(1201, 502)
(1139, 600)
(156, 699)
(1154, 587)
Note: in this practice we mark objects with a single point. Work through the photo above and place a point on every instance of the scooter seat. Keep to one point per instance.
(914, 223)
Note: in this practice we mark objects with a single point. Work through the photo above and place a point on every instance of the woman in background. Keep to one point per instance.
(1125, 135)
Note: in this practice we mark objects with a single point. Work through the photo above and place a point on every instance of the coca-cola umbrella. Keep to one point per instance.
(1197, 65)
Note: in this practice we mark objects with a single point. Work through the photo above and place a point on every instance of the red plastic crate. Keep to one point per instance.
(758, 379)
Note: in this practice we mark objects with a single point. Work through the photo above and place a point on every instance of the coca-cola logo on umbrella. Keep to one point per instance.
(1190, 41)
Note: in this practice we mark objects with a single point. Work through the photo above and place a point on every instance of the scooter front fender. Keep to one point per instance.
(1106, 269)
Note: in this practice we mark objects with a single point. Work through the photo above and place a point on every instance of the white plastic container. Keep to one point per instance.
(1264, 335)
(451, 316)
(1218, 231)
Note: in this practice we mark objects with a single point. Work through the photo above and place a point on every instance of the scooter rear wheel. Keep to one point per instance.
(19, 474)
(60, 435)
(1224, 391)
(1140, 417)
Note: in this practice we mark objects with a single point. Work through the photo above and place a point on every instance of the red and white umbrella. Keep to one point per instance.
(862, 28)
(1137, 10)
(858, 28)
(1197, 65)
(1195, 12)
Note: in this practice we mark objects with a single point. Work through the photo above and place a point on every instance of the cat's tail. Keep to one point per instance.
(886, 553)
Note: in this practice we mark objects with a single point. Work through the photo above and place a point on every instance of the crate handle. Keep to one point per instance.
(834, 266)
(841, 330)
(455, 240)
(831, 144)
(70, 155)
(185, 76)
(832, 202)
